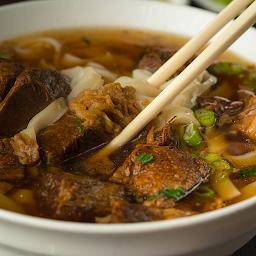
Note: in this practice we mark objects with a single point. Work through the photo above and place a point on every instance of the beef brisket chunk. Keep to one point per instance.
(168, 169)
(8, 73)
(123, 212)
(219, 105)
(155, 57)
(34, 89)
(77, 198)
(63, 140)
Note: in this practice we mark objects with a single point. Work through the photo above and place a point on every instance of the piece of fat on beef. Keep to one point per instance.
(155, 57)
(8, 73)
(124, 212)
(34, 89)
(168, 169)
(71, 197)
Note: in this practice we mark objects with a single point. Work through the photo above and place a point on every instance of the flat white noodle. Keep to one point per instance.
(100, 69)
(187, 98)
(141, 85)
(181, 114)
(89, 79)
(30, 131)
(21, 47)
(141, 73)
(49, 115)
(74, 74)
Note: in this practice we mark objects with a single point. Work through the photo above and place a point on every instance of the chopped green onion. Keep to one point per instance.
(251, 172)
(228, 68)
(252, 76)
(6, 57)
(195, 156)
(205, 116)
(192, 136)
(211, 157)
(80, 128)
(253, 87)
(204, 192)
(86, 40)
(222, 170)
(144, 158)
(175, 193)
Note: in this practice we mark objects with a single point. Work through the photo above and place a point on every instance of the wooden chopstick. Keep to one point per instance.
(202, 62)
(197, 42)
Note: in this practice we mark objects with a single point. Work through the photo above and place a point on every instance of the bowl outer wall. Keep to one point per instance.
(174, 237)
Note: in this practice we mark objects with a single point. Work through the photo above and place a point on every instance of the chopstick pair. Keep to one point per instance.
(202, 62)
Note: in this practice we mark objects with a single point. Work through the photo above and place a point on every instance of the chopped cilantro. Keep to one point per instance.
(175, 193)
(80, 128)
(86, 40)
(144, 158)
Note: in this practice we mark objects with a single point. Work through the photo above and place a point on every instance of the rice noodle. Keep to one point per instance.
(21, 47)
(100, 69)
(49, 115)
(141, 73)
(30, 131)
(242, 161)
(183, 115)
(89, 79)
(141, 85)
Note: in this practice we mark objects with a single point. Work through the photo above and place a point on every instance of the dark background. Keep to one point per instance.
(247, 250)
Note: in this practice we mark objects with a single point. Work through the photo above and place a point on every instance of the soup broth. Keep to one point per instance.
(121, 185)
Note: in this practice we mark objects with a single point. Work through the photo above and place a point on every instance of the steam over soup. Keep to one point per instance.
(64, 95)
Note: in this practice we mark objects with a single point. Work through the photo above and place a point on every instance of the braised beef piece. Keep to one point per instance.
(34, 89)
(8, 73)
(155, 57)
(168, 169)
(62, 140)
(77, 198)
(245, 121)
(10, 167)
(219, 105)
(102, 114)
(123, 212)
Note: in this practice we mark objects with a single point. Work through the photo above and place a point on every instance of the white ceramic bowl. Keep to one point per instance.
(214, 233)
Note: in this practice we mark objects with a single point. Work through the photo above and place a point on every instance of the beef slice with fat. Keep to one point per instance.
(34, 89)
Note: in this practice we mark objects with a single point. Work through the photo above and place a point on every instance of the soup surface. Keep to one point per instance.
(197, 155)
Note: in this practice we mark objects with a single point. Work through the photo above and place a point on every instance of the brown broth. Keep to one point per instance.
(118, 51)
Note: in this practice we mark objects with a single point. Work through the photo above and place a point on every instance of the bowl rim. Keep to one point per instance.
(128, 228)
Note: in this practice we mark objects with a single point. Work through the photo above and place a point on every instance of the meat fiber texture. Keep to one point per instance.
(77, 198)
(34, 89)
(169, 169)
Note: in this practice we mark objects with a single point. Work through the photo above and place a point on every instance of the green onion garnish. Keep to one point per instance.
(222, 170)
(251, 172)
(80, 128)
(253, 87)
(195, 156)
(86, 40)
(192, 136)
(5, 57)
(205, 116)
(144, 158)
(252, 76)
(204, 192)
(228, 68)
(175, 193)
(211, 157)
